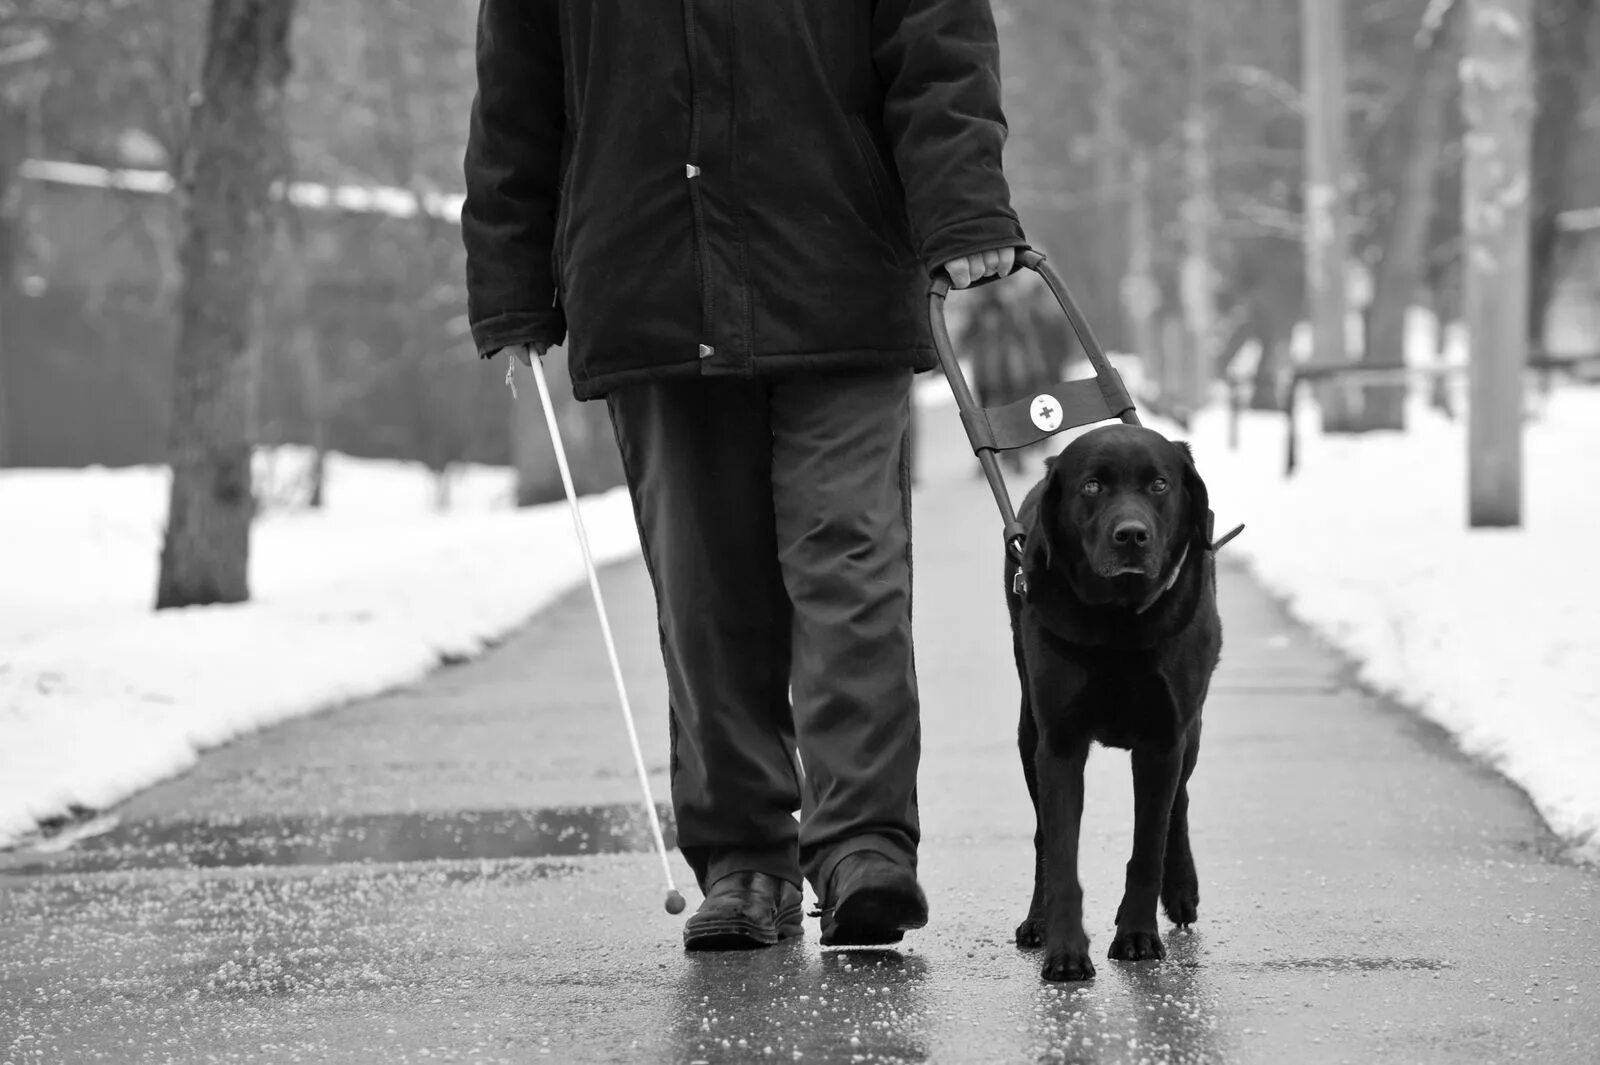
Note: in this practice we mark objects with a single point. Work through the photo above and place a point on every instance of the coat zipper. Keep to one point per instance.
(692, 174)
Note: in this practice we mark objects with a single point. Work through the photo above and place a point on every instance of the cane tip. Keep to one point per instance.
(675, 903)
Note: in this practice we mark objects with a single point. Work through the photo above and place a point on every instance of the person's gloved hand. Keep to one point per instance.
(969, 268)
(526, 352)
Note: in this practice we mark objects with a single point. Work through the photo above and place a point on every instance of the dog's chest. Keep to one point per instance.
(1118, 702)
(1129, 706)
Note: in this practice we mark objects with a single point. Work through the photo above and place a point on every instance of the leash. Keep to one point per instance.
(1063, 405)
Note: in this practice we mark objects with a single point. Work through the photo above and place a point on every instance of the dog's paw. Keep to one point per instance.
(1136, 946)
(1181, 903)
(1030, 933)
(1069, 964)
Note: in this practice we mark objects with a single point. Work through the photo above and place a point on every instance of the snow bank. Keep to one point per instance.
(100, 696)
(1492, 633)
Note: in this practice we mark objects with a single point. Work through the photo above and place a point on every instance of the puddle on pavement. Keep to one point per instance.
(484, 835)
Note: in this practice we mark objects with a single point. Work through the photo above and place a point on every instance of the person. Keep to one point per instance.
(730, 214)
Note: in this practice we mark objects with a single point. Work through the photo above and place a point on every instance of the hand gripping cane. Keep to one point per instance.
(674, 902)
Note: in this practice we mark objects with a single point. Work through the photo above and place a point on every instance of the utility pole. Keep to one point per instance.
(1497, 104)
(1322, 51)
(1197, 294)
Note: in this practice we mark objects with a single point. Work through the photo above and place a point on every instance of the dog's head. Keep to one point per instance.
(1118, 509)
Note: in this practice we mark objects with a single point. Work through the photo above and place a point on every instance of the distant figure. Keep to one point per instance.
(1015, 343)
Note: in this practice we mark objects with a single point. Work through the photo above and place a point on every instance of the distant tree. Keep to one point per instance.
(1405, 168)
(30, 34)
(1497, 103)
(1563, 35)
(235, 151)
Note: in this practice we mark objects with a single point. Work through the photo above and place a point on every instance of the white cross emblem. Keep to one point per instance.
(1046, 413)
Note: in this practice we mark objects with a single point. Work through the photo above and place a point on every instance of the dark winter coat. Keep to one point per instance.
(728, 187)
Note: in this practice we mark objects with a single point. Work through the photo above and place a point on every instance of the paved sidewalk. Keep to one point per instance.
(415, 878)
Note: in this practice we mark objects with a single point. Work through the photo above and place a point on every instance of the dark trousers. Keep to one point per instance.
(776, 523)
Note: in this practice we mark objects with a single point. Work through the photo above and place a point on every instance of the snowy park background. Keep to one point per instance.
(1491, 634)
(436, 532)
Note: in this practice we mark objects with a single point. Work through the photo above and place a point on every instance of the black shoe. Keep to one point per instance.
(875, 900)
(743, 911)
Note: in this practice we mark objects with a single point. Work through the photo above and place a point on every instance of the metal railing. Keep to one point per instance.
(1546, 366)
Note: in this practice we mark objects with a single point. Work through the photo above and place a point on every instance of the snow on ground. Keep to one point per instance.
(100, 696)
(1492, 633)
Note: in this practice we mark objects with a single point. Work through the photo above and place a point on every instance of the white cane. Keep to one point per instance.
(674, 902)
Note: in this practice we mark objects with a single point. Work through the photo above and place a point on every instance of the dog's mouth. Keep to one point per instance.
(1125, 562)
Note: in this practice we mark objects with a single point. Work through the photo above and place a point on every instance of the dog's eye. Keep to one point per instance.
(1090, 487)
(1158, 485)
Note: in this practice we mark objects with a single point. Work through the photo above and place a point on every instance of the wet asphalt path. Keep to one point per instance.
(451, 873)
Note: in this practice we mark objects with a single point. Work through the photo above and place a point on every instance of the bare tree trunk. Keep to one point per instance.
(1109, 162)
(1446, 309)
(1266, 391)
(1561, 58)
(5, 383)
(1416, 145)
(443, 477)
(236, 151)
(1197, 286)
(307, 353)
(1140, 293)
(1497, 99)
(13, 147)
(1323, 57)
(297, 344)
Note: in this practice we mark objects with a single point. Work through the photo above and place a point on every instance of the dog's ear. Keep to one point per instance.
(1197, 498)
(1046, 531)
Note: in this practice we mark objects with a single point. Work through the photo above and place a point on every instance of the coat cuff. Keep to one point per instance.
(518, 327)
(968, 237)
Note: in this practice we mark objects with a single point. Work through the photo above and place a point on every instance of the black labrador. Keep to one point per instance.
(1115, 626)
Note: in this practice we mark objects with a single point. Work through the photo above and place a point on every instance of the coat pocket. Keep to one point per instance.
(886, 198)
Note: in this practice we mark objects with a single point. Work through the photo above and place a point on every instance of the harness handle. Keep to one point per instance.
(1027, 421)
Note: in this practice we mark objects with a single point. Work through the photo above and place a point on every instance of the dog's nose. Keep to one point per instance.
(1134, 533)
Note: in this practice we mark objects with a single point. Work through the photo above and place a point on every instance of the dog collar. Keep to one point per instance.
(1019, 579)
(1166, 585)
(1177, 570)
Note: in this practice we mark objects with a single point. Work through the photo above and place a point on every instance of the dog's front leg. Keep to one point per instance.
(1155, 783)
(1066, 954)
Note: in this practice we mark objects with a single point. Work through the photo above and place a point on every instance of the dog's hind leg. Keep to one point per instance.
(1060, 768)
(1180, 885)
(1030, 933)
(1155, 786)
